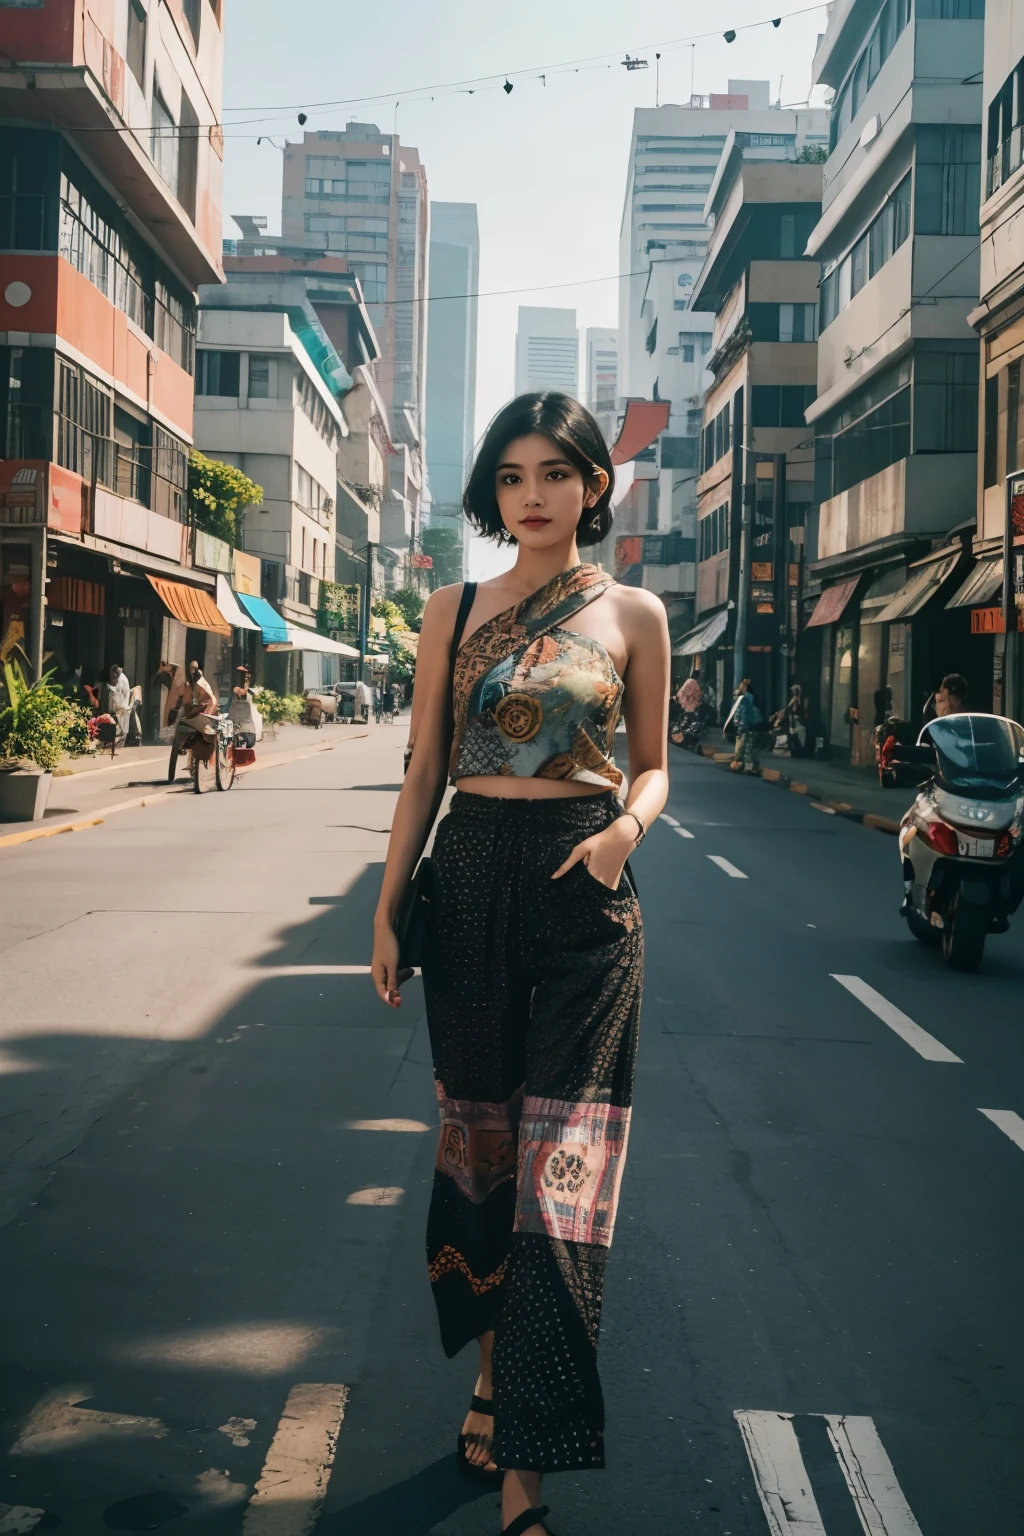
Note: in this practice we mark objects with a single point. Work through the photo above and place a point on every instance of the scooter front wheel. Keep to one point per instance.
(963, 937)
(172, 766)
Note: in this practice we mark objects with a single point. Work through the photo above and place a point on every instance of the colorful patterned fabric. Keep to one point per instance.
(533, 991)
(534, 699)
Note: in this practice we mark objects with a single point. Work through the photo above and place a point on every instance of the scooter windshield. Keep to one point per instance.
(981, 755)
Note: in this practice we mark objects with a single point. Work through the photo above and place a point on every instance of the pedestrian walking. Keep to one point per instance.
(533, 963)
(118, 699)
(745, 716)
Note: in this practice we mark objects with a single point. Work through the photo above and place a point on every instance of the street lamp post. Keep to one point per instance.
(364, 608)
(1014, 513)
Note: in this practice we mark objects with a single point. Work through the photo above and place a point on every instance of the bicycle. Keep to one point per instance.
(209, 743)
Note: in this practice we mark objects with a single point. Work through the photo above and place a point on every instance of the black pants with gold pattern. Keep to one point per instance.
(533, 993)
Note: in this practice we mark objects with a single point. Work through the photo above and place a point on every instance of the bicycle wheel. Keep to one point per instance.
(225, 764)
(204, 772)
(172, 766)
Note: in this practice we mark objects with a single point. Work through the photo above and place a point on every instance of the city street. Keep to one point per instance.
(217, 1148)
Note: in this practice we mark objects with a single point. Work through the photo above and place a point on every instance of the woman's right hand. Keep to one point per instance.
(384, 966)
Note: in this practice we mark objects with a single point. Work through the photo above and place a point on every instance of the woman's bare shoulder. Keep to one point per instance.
(637, 606)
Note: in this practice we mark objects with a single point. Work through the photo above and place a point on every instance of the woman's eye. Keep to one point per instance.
(557, 474)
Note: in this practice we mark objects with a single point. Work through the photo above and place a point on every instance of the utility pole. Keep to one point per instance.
(364, 609)
(1011, 642)
(741, 453)
(780, 570)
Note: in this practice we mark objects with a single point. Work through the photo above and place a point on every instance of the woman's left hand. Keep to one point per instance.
(605, 853)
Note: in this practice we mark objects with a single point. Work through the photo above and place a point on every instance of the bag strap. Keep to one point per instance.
(465, 604)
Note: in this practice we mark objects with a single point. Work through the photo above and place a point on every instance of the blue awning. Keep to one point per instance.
(275, 630)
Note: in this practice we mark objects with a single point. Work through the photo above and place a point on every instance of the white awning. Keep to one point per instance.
(704, 636)
(922, 584)
(981, 585)
(302, 639)
(231, 608)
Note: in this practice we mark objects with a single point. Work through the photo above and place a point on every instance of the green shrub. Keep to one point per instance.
(279, 709)
(37, 723)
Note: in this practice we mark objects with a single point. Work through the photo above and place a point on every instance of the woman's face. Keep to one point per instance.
(541, 494)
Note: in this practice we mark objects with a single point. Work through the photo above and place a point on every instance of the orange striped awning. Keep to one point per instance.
(191, 606)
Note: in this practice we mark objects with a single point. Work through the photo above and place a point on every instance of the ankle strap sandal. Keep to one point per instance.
(528, 1517)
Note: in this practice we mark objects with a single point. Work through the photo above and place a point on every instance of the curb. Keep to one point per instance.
(819, 801)
(97, 818)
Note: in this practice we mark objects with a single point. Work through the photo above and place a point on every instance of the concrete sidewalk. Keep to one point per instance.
(854, 793)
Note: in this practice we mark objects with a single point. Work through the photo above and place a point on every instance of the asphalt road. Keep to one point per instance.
(216, 1149)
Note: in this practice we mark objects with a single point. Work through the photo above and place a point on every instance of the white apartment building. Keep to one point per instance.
(663, 343)
(263, 405)
(896, 415)
(547, 351)
(602, 346)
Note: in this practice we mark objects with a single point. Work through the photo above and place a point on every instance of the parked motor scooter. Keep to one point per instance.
(960, 841)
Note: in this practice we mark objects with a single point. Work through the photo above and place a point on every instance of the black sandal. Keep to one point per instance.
(486, 1442)
(528, 1517)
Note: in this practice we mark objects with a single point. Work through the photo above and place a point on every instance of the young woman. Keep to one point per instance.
(534, 975)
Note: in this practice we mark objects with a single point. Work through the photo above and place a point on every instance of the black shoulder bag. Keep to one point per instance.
(413, 922)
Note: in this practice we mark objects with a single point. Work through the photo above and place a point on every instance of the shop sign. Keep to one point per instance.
(423, 562)
(761, 570)
(989, 621)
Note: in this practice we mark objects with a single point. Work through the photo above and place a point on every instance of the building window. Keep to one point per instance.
(780, 405)
(262, 377)
(26, 403)
(135, 56)
(869, 433)
(946, 402)
(1014, 420)
(174, 326)
(798, 322)
(353, 181)
(882, 238)
(850, 97)
(188, 157)
(193, 10)
(713, 533)
(991, 453)
(85, 415)
(170, 474)
(165, 142)
(28, 201)
(217, 373)
(716, 438)
(1005, 130)
(794, 231)
(950, 10)
(373, 278)
(947, 181)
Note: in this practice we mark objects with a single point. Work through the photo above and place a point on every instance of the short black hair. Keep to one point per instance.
(956, 684)
(577, 434)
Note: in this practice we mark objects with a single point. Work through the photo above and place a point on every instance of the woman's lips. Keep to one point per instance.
(535, 522)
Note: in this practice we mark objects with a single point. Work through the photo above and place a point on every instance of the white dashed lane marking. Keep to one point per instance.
(677, 829)
(729, 869)
(1009, 1123)
(670, 819)
(917, 1038)
(785, 1487)
(293, 1484)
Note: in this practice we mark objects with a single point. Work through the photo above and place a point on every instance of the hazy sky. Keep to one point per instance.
(545, 165)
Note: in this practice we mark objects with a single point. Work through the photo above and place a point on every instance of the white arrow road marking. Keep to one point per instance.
(917, 1038)
(877, 1496)
(780, 1475)
(1009, 1123)
(57, 1424)
(18, 1519)
(730, 869)
(293, 1483)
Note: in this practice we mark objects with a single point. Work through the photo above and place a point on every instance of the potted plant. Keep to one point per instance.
(37, 724)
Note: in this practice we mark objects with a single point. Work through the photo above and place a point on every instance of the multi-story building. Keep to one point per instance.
(664, 343)
(602, 370)
(755, 463)
(895, 419)
(999, 320)
(547, 351)
(451, 378)
(110, 191)
(362, 194)
(285, 391)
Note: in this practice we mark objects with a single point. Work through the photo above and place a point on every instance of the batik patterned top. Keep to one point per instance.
(533, 699)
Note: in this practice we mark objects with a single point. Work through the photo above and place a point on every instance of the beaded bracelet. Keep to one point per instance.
(642, 830)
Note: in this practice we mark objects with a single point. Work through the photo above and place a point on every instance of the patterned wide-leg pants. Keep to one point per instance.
(533, 991)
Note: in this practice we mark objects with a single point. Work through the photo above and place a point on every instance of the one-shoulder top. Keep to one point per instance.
(533, 699)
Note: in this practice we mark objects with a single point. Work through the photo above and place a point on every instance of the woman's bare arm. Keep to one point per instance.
(424, 784)
(645, 629)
